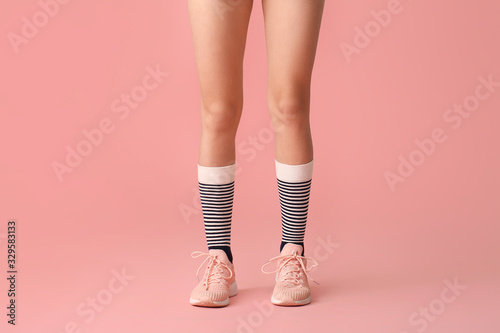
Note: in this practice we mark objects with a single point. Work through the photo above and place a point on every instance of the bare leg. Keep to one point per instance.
(292, 30)
(219, 29)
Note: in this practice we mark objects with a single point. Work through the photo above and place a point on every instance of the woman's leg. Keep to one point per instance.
(219, 30)
(292, 30)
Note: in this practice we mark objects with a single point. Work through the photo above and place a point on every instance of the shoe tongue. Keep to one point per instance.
(221, 255)
(291, 269)
(290, 248)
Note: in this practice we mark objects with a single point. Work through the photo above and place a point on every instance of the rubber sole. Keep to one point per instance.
(292, 303)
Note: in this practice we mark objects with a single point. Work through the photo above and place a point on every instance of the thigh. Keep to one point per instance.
(219, 30)
(292, 30)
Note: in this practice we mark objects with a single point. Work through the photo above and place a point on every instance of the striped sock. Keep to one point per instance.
(216, 185)
(294, 186)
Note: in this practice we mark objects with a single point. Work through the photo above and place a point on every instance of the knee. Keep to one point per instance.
(221, 117)
(289, 113)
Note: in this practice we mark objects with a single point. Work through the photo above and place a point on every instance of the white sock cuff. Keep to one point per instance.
(216, 175)
(294, 172)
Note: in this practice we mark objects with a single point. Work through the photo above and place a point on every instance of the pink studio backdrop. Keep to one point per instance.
(404, 212)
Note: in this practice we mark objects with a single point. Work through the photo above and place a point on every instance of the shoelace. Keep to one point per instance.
(215, 268)
(292, 266)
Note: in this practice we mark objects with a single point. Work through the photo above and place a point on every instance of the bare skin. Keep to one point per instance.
(219, 35)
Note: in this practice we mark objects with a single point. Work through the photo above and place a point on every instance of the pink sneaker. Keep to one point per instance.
(292, 287)
(218, 283)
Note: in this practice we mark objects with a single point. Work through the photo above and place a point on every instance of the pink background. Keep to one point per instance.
(390, 251)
